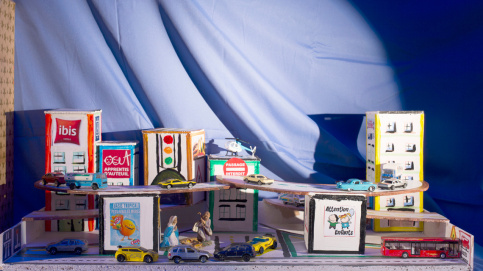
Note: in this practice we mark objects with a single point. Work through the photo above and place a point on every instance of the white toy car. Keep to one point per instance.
(258, 178)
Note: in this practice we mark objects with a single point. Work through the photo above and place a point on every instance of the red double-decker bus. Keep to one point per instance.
(421, 247)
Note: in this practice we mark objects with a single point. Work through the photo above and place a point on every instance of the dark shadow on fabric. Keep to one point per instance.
(118, 54)
(438, 68)
(344, 127)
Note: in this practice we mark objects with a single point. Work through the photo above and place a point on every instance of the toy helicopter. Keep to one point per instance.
(236, 146)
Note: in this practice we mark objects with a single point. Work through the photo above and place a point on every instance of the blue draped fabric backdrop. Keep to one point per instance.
(293, 78)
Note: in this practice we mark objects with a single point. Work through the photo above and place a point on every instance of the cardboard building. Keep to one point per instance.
(234, 209)
(396, 137)
(70, 146)
(119, 160)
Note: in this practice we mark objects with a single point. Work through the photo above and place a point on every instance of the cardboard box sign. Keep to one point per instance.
(233, 209)
(335, 223)
(119, 160)
(70, 138)
(175, 154)
(128, 220)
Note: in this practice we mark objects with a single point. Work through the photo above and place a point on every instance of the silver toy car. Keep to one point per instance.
(392, 183)
(187, 253)
(68, 245)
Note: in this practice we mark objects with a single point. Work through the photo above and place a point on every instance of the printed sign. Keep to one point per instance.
(235, 167)
(125, 223)
(67, 131)
(466, 246)
(116, 163)
(339, 221)
(97, 129)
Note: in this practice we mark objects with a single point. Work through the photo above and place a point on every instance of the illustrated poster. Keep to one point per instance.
(339, 221)
(125, 223)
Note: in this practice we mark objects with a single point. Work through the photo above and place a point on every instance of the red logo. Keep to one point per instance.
(235, 167)
(116, 163)
(67, 131)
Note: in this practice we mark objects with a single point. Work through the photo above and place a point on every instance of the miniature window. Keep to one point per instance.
(410, 147)
(241, 194)
(80, 204)
(224, 211)
(119, 183)
(409, 165)
(110, 183)
(59, 169)
(370, 136)
(404, 245)
(408, 201)
(225, 194)
(391, 127)
(62, 204)
(390, 202)
(241, 211)
(79, 169)
(59, 157)
(408, 178)
(408, 127)
(390, 147)
(79, 157)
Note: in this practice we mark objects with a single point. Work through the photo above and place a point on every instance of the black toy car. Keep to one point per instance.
(244, 251)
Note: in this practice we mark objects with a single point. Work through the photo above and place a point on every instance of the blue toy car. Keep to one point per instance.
(244, 251)
(356, 185)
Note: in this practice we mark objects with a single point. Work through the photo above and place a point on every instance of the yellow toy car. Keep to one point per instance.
(176, 183)
(135, 254)
(261, 243)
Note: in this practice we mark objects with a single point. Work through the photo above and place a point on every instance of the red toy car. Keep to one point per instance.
(53, 177)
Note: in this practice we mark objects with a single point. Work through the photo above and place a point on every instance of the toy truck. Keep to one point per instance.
(94, 180)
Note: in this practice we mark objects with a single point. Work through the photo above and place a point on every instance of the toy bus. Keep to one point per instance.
(94, 180)
(421, 247)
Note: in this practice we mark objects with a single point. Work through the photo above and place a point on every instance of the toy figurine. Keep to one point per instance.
(203, 227)
(171, 234)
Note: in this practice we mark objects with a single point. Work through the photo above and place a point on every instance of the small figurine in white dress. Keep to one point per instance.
(171, 234)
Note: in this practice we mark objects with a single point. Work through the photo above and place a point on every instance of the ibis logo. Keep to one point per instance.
(67, 131)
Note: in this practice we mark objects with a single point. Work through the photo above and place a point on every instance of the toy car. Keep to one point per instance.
(257, 178)
(68, 245)
(236, 250)
(297, 200)
(357, 185)
(93, 180)
(392, 183)
(177, 183)
(53, 177)
(263, 242)
(186, 252)
(135, 254)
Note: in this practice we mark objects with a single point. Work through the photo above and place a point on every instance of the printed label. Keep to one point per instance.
(116, 163)
(235, 167)
(67, 131)
(339, 221)
(125, 223)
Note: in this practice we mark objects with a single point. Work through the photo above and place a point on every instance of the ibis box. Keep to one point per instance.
(233, 209)
(119, 160)
(70, 138)
(410, 202)
(175, 154)
(128, 220)
(335, 223)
